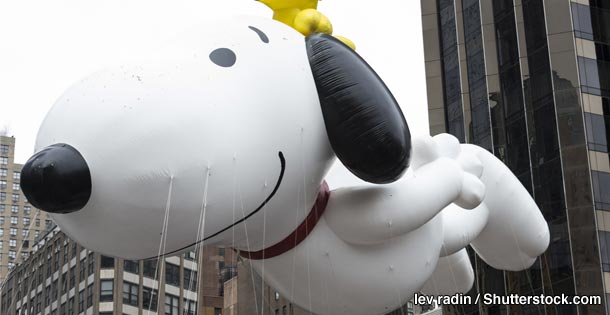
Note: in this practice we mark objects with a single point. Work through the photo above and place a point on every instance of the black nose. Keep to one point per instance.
(57, 179)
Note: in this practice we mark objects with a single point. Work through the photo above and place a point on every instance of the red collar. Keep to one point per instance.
(298, 235)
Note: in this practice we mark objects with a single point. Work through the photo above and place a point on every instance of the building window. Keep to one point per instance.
(2, 184)
(12, 254)
(90, 292)
(1, 232)
(63, 309)
(217, 311)
(601, 190)
(597, 134)
(91, 266)
(14, 220)
(14, 209)
(172, 274)
(25, 233)
(26, 221)
(107, 262)
(39, 303)
(55, 288)
(190, 255)
(2, 196)
(171, 305)
(72, 276)
(1, 220)
(4, 149)
(149, 299)
(12, 243)
(190, 280)
(64, 283)
(106, 291)
(131, 266)
(3, 160)
(3, 172)
(604, 242)
(47, 296)
(16, 175)
(190, 307)
(81, 301)
(15, 198)
(13, 232)
(130, 293)
(15, 187)
(589, 75)
(150, 268)
(56, 261)
(71, 306)
(2, 208)
(82, 270)
(37, 221)
(27, 210)
(49, 264)
(581, 15)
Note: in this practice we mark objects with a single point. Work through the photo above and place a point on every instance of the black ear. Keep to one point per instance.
(365, 125)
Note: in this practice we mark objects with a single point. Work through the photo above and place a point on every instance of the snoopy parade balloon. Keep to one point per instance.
(227, 138)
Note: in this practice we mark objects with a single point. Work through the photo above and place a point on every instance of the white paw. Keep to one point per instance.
(425, 150)
(473, 189)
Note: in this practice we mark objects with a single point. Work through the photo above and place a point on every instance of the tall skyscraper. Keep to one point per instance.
(20, 222)
(529, 80)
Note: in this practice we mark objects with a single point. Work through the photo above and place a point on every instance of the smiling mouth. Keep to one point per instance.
(253, 212)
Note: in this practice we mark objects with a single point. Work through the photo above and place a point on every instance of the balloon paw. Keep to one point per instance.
(473, 190)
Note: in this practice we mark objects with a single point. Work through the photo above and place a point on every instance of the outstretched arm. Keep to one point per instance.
(516, 232)
(373, 214)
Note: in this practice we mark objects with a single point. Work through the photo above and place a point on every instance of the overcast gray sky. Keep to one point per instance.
(45, 46)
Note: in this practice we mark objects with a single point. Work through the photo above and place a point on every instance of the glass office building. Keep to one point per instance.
(529, 80)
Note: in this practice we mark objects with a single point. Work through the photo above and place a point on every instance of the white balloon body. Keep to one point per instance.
(183, 149)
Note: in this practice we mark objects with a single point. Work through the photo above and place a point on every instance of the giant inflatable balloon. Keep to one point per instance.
(226, 138)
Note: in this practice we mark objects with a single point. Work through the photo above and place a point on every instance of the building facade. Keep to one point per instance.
(20, 222)
(62, 278)
(247, 294)
(529, 80)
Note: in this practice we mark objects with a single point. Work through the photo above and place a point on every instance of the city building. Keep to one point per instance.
(247, 294)
(529, 80)
(20, 222)
(62, 278)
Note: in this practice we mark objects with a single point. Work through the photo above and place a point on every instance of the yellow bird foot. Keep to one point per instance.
(347, 42)
(311, 21)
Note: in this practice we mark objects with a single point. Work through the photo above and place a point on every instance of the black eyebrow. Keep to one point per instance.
(261, 34)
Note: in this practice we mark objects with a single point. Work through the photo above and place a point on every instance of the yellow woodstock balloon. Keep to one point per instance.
(303, 17)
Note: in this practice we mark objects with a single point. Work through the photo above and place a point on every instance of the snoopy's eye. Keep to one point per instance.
(261, 34)
(223, 57)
